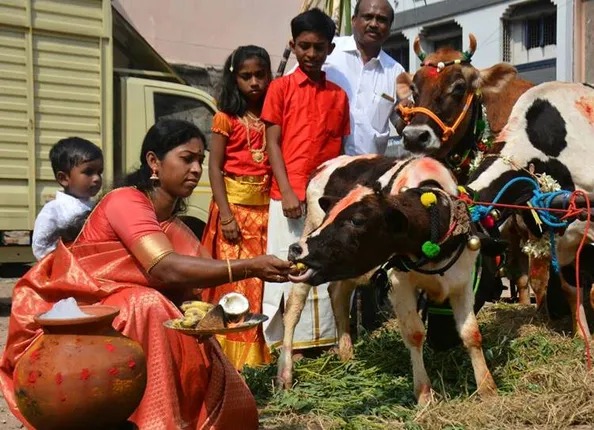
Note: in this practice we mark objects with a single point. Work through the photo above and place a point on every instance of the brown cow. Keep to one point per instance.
(449, 95)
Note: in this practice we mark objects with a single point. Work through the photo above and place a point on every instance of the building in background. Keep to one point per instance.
(196, 36)
(537, 36)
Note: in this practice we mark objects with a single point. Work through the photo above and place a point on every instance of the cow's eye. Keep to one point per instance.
(358, 221)
(459, 88)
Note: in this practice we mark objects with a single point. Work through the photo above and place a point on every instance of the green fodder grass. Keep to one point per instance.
(540, 373)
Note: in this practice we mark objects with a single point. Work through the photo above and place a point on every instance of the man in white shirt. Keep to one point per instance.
(368, 76)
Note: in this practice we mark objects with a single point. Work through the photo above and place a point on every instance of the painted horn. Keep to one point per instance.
(471, 48)
(418, 50)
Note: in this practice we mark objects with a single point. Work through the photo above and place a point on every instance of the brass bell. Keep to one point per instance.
(455, 158)
(457, 170)
(403, 189)
(495, 214)
(474, 243)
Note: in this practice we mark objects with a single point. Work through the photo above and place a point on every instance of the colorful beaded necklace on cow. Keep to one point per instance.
(458, 228)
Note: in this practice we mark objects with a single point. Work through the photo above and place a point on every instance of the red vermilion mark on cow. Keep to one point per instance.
(477, 338)
(416, 339)
(131, 364)
(399, 183)
(85, 374)
(113, 371)
(356, 195)
(59, 378)
(33, 375)
(585, 107)
(34, 356)
(63, 399)
(110, 347)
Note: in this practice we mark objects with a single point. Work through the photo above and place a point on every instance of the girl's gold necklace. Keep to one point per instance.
(252, 122)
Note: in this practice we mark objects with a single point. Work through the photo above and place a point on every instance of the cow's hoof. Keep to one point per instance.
(488, 388)
(424, 395)
(284, 381)
(345, 349)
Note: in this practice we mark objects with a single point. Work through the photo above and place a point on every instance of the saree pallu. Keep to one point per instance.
(247, 347)
(190, 385)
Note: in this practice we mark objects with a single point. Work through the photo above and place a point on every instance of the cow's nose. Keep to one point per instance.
(415, 138)
(295, 251)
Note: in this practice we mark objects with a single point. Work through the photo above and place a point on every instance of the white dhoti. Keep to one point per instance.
(316, 326)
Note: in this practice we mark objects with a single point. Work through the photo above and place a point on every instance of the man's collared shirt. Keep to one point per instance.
(364, 85)
(314, 117)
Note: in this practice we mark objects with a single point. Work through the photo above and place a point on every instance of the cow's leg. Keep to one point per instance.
(340, 297)
(293, 309)
(539, 279)
(578, 316)
(462, 305)
(404, 301)
(523, 290)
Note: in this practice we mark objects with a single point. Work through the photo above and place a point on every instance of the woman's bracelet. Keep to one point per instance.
(229, 271)
(228, 220)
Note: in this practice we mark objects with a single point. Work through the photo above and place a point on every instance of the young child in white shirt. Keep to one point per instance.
(78, 165)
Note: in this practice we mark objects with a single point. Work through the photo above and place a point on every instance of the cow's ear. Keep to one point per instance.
(397, 221)
(327, 202)
(496, 77)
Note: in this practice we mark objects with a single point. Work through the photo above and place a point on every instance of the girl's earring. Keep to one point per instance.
(154, 177)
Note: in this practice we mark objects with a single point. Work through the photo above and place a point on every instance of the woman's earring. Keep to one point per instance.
(154, 177)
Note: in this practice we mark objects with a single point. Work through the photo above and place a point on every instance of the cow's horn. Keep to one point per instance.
(418, 50)
(471, 49)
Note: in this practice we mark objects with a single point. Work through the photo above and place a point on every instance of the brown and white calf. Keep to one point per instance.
(550, 130)
(357, 232)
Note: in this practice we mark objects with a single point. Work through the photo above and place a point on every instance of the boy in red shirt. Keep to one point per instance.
(306, 118)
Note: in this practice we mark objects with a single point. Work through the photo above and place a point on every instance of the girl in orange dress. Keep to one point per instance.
(134, 253)
(240, 176)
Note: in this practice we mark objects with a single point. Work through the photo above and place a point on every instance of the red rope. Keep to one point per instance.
(572, 211)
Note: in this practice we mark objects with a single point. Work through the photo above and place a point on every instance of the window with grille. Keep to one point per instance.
(506, 54)
(540, 32)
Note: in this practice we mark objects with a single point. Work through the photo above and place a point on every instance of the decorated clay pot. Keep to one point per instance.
(80, 373)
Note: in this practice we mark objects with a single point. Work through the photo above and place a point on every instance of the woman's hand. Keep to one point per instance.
(270, 268)
(231, 231)
(291, 205)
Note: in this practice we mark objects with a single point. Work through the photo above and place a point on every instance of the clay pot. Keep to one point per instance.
(80, 373)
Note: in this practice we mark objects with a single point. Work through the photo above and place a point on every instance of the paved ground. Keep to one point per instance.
(7, 420)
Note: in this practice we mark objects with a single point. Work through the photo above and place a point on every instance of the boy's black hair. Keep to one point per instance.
(71, 152)
(230, 100)
(315, 21)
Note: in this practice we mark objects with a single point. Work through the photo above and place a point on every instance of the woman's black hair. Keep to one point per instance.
(161, 138)
(230, 100)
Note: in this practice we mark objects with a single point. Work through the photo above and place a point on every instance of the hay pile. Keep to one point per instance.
(540, 373)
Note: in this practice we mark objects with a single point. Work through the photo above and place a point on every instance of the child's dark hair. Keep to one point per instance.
(230, 100)
(315, 21)
(71, 152)
(161, 138)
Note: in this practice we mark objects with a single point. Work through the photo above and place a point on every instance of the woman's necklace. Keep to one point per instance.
(252, 122)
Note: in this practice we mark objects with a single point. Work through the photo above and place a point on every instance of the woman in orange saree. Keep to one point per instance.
(134, 254)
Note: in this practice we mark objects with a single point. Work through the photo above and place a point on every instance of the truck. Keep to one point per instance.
(79, 68)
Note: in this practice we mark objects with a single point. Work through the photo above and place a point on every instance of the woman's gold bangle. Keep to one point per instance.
(228, 220)
(229, 271)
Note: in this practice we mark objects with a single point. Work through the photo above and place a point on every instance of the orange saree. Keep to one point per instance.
(190, 385)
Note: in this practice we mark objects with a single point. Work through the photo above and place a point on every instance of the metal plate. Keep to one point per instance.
(252, 320)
